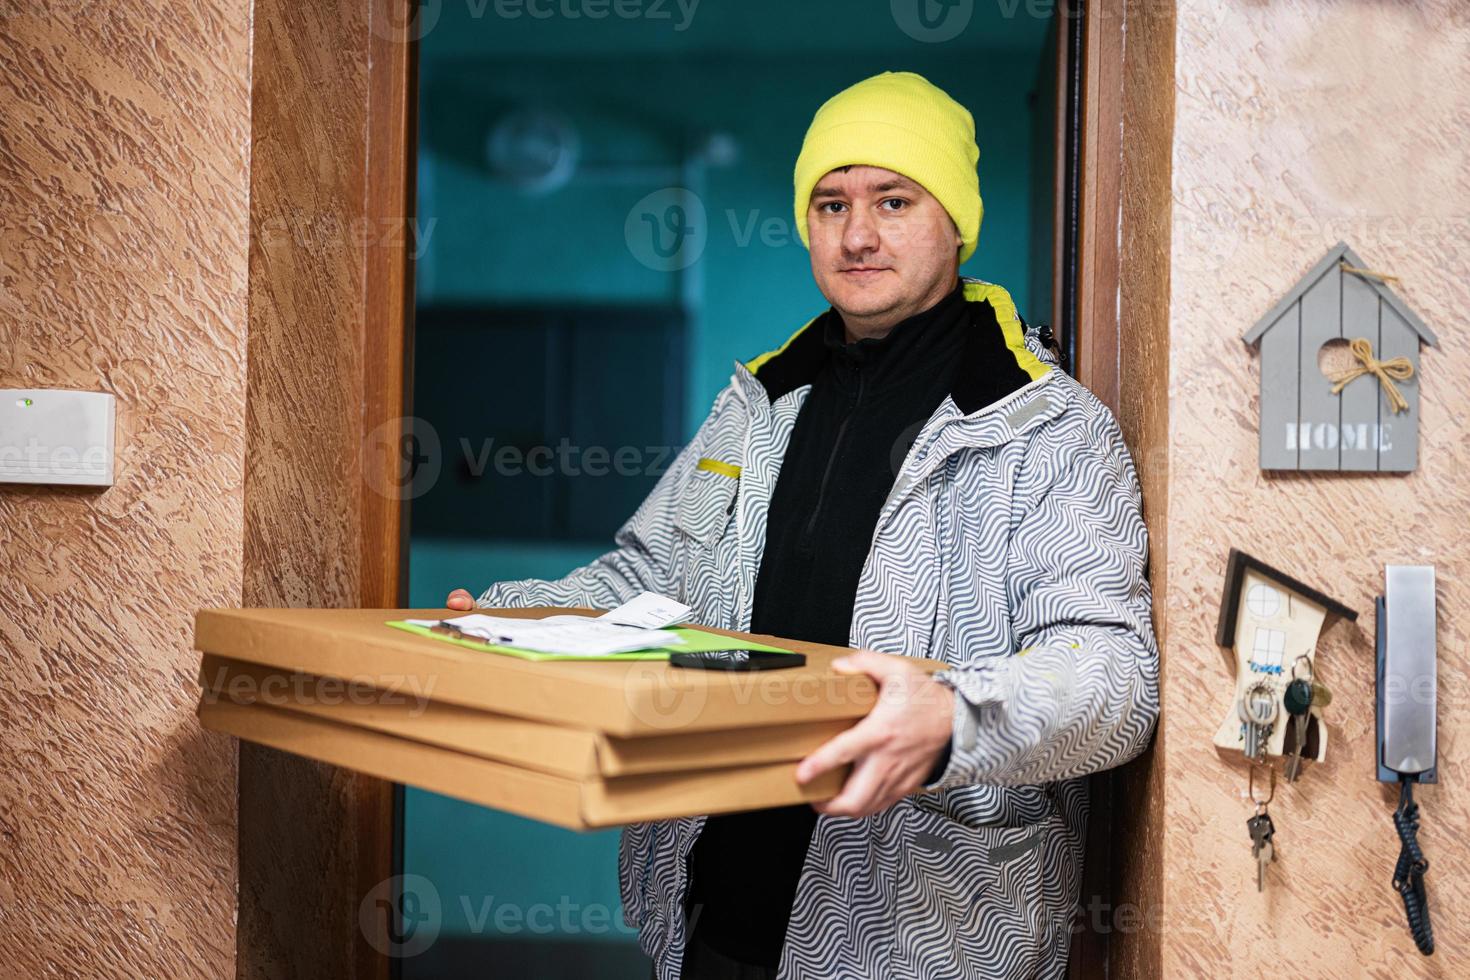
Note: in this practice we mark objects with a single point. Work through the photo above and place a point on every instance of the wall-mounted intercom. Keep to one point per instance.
(1273, 622)
(1407, 749)
(56, 436)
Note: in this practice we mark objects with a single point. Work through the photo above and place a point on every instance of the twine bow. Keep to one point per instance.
(1396, 369)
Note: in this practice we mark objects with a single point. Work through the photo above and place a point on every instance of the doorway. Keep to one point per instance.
(604, 215)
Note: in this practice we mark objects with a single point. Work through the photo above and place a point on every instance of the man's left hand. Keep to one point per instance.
(894, 748)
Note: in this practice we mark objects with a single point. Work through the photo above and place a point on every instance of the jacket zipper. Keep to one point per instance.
(811, 523)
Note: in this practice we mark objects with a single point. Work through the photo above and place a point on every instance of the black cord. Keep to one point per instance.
(1408, 874)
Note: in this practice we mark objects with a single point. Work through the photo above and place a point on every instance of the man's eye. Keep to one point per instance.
(828, 208)
(899, 203)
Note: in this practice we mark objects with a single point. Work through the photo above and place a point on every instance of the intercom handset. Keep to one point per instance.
(1407, 746)
(1407, 675)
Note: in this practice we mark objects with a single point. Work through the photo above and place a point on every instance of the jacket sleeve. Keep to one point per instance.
(1080, 692)
(642, 556)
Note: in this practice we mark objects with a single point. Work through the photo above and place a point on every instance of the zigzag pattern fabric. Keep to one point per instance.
(1012, 548)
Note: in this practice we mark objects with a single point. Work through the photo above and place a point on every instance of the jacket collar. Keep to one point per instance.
(998, 392)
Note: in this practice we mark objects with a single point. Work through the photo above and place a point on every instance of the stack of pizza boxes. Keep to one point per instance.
(581, 744)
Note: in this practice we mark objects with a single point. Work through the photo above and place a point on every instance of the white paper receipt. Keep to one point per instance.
(648, 610)
(635, 625)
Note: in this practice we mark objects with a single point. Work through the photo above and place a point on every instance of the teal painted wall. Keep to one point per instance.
(479, 858)
(490, 242)
(639, 95)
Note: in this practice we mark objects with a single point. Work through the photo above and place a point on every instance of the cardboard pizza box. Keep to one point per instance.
(621, 698)
(578, 803)
(542, 746)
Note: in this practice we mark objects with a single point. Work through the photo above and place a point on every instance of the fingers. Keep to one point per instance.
(460, 599)
(894, 746)
(839, 750)
(870, 662)
(861, 789)
(876, 783)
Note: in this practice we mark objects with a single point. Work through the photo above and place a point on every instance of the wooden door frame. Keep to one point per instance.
(390, 204)
(1111, 240)
(1098, 186)
(333, 137)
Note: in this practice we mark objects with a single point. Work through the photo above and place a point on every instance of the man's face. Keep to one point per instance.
(883, 248)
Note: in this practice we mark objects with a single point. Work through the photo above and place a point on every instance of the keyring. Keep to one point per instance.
(1258, 704)
(1251, 787)
(1311, 673)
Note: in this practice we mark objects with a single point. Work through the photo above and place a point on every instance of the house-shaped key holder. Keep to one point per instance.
(1271, 620)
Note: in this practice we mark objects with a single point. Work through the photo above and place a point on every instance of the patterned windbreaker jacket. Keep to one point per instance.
(1012, 547)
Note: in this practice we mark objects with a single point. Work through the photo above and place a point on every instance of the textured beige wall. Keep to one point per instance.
(124, 131)
(1298, 123)
(304, 826)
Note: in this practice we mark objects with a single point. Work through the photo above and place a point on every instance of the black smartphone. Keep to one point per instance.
(737, 660)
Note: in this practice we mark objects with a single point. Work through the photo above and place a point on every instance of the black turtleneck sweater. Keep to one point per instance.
(867, 402)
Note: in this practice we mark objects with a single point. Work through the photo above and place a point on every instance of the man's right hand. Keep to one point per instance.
(460, 599)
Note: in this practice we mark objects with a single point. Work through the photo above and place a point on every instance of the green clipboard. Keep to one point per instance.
(695, 641)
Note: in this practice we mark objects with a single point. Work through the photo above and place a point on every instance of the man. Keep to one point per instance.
(909, 473)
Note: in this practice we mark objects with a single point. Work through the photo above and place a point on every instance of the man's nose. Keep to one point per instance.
(859, 233)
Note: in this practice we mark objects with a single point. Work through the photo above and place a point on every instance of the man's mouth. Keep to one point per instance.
(864, 271)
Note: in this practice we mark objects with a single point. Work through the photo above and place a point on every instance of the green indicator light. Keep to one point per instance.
(24, 403)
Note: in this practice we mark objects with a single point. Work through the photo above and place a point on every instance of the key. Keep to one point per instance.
(1297, 699)
(1321, 694)
(1262, 830)
(1243, 709)
(1258, 710)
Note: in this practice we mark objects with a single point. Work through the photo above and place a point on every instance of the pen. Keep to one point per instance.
(460, 631)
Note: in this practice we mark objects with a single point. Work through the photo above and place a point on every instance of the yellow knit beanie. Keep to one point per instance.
(901, 122)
